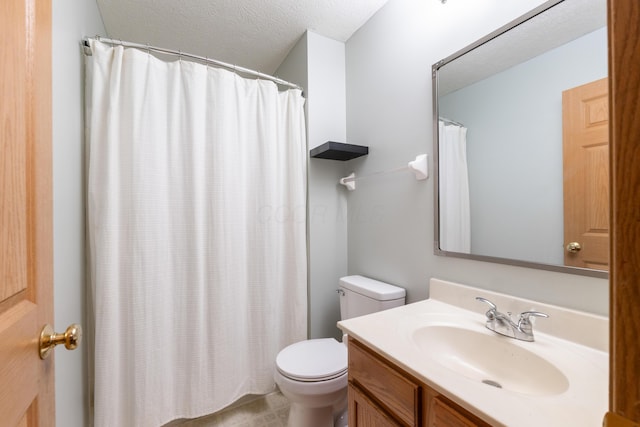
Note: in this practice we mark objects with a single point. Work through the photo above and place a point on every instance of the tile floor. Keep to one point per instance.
(271, 410)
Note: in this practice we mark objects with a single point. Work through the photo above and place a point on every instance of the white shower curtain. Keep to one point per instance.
(197, 230)
(455, 219)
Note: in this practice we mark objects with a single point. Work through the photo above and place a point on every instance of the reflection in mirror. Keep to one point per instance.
(522, 125)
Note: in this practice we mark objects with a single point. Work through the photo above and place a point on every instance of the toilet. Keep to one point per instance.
(312, 374)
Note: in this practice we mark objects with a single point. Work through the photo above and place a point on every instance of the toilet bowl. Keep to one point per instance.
(312, 374)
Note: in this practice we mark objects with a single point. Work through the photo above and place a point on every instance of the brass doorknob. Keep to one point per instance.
(574, 247)
(49, 339)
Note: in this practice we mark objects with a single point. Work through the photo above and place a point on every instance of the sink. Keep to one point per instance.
(491, 359)
(559, 380)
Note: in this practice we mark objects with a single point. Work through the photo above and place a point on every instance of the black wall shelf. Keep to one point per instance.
(339, 151)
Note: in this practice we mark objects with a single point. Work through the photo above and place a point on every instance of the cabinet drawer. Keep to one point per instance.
(398, 395)
(442, 414)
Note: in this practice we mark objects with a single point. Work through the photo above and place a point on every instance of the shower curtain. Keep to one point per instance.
(455, 218)
(197, 234)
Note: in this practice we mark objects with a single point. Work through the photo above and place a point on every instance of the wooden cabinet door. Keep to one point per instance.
(365, 413)
(26, 273)
(441, 414)
(399, 394)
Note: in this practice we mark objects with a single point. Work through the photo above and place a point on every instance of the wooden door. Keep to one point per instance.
(585, 128)
(624, 278)
(26, 281)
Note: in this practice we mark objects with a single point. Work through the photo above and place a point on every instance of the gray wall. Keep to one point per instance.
(389, 107)
(318, 63)
(72, 20)
(514, 149)
(389, 218)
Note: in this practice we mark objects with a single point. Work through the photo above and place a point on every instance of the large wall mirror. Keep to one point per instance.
(521, 125)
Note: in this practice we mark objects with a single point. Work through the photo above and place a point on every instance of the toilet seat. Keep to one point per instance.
(313, 360)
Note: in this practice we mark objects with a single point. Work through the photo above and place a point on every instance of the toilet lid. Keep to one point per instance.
(313, 360)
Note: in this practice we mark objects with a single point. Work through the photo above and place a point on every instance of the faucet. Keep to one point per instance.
(503, 324)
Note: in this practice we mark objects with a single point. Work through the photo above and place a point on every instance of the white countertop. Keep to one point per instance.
(576, 347)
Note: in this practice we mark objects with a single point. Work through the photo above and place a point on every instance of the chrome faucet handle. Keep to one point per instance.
(491, 313)
(525, 323)
(525, 315)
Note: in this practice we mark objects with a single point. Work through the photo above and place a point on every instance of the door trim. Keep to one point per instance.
(624, 87)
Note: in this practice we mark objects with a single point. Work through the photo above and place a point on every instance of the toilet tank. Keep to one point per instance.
(361, 295)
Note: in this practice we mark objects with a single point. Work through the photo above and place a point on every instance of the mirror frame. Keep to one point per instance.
(434, 76)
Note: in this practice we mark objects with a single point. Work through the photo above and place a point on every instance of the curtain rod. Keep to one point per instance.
(444, 119)
(203, 59)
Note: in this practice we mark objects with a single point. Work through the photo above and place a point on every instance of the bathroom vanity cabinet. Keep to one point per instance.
(382, 394)
(419, 364)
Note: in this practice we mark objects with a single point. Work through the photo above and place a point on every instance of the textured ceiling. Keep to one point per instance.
(256, 34)
(562, 23)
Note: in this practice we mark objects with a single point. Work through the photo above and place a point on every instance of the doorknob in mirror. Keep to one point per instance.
(574, 247)
(49, 339)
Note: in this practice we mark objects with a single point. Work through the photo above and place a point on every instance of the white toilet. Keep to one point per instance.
(312, 374)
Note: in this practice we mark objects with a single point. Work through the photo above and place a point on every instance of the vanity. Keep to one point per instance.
(435, 363)
(383, 394)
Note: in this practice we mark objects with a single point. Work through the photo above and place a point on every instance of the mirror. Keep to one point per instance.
(521, 124)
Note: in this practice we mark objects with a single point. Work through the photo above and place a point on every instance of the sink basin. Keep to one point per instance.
(491, 359)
